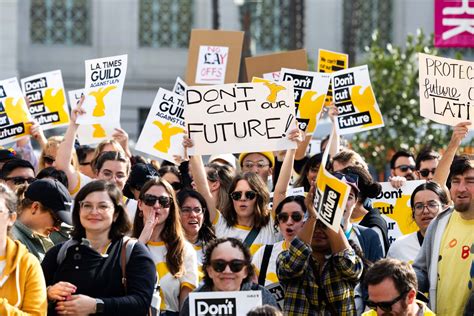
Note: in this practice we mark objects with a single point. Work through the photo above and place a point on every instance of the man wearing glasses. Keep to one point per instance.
(402, 164)
(17, 172)
(426, 163)
(260, 163)
(392, 289)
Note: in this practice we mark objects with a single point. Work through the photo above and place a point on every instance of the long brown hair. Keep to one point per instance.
(261, 211)
(172, 233)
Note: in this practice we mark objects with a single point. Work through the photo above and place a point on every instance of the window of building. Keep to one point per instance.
(65, 22)
(273, 25)
(165, 23)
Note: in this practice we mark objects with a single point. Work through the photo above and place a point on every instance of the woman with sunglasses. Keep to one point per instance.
(97, 272)
(195, 221)
(158, 225)
(227, 267)
(22, 290)
(427, 201)
(309, 172)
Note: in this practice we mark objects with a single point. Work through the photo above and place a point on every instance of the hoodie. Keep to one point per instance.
(22, 285)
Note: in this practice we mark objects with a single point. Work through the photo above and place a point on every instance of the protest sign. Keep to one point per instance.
(214, 57)
(310, 91)
(162, 134)
(268, 66)
(94, 133)
(47, 100)
(355, 101)
(329, 62)
(331, 195)
(289, 192)
(453, 23)
(394, 206)
(13, 112)
(105, 78)
(247, 117)
(446, 89)
(180, 86)
(237, 303)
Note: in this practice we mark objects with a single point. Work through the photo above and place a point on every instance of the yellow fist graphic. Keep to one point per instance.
(310, 107)
(366, 102)
(55, 103)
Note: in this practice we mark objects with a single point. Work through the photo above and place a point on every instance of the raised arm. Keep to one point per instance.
(306, 233)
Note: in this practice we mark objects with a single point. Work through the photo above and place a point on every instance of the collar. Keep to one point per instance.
(25, 230)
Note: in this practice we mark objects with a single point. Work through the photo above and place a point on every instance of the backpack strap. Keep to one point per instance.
(264, 267)
(125, 253)
(251, 236)
(63, 250)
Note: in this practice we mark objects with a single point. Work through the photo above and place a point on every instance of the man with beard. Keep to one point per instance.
(392, 290)
(402, 164)
(445, 263)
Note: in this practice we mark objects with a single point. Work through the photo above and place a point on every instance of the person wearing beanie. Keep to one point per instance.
(261, 163)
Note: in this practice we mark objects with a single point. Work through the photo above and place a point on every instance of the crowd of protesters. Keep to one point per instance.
(100, 231)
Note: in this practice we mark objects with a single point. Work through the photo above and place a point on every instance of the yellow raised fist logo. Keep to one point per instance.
(366, 102)
(55, 103)
(16, 111)
(310, 107)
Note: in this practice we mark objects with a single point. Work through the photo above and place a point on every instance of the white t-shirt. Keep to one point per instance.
(271, 280)
(405, 248)
(170, 286)
(200, 256)
(267, 234)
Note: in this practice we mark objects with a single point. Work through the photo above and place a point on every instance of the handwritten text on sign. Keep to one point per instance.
(212, 63)
(245, 117)
(446, 89)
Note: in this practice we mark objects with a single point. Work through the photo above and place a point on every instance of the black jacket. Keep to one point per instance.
(101, 277)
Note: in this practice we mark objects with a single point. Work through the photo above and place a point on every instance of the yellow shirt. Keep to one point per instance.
(454, 266)
(423, 311)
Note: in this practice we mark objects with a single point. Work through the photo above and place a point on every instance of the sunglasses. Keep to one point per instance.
(20, 180)
(426, 172)
(237, 195)
(404, 168)
(235, 265)
(48, 160)
(150, 200)
(350, 177)
(385, 306)
(295, 216)
(176, 186)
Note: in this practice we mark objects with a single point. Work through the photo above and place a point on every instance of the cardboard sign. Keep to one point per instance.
(355, 100)
(331, 195)
(237, 303)
(105, 78)
(90, 134)
(180, 86)
(266, 66)
(13, 112)
(247, 117)
(453, 23)
(214, 57)
(394, 206)
(329, 62)
(446, 89)
(47, 99)
(162, 135)
(310, 93)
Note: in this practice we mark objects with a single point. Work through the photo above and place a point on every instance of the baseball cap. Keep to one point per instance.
(141, 173)
(7, 154)
(228, 158)
(53, 195)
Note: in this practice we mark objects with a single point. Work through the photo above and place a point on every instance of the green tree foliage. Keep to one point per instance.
(394, 77)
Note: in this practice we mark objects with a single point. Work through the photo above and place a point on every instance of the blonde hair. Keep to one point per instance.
(53, 142)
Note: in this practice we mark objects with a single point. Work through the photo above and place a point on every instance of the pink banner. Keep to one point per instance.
(454, 23)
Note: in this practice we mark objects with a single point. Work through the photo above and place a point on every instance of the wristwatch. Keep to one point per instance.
(99, 306)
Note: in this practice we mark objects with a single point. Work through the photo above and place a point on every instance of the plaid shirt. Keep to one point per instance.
(339, 276)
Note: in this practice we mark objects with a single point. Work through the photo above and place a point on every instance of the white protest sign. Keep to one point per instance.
(446, 89)
(162, 135)
(289, 192)
(94, 133)
(180, 86)
(394, 206)
(13, 112)
(47, 99)
(272, 76)
(355, 101)
(244, 117)
(105, 78)
(211, 64)
(310, 93)
(237, 303)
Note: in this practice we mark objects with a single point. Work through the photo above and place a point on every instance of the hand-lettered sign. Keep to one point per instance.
(247, 117)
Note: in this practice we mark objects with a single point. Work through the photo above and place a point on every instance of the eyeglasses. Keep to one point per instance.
(404, 168)
(107, 175)
(102, 207)
(48, 160)
(237, 195)
(235, 265)
(432, 206)
(189, 210)
(176, 186)
(150, 200)
(260, 164)
(350, 177)
(426, 172)
(21, 180)
(295, 216)
(385, 306)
